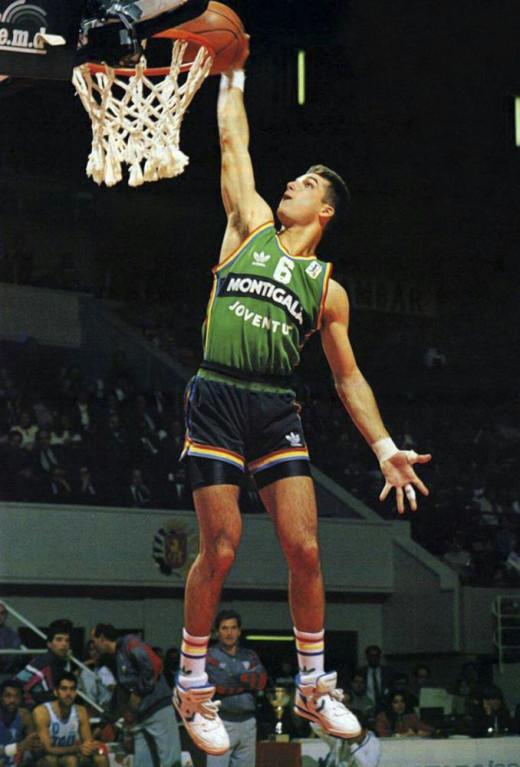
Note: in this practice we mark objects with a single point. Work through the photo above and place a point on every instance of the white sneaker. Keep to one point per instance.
(200, 716)
(318, 699)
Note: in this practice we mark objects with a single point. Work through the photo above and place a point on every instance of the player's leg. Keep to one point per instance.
(291, 504)
(292, 507)
(220, 528)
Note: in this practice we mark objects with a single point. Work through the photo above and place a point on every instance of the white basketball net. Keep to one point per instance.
(137, 122)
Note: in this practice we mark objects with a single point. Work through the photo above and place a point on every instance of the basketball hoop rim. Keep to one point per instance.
(173, 34)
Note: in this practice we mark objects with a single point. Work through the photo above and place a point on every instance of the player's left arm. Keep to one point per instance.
(358, 399)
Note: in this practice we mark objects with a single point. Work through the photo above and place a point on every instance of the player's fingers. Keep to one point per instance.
(419, 484)
(414, 457)
(385, 491)
(411, 497)
(400, 499)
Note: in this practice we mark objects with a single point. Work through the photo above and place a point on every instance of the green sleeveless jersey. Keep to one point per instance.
(264, 305)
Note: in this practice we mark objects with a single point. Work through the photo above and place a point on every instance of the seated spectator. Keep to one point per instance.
(64, 729)
(401, 683)
(88, 491)
(17, 733)
(398, 719)
(57, 488)
(9, 639)
(17, 469)
(491, 717)
(139, 495)
(179, 496)
(40, 674)
(363, 750)
(64, 433)
(98, 682)
(47, 458)
(81, 415)
(42, 413)
(459, 559)
(27, 429)
(358, 690)
(463, 707)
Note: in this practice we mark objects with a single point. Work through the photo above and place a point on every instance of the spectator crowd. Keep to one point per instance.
(69, 438)
(58, 709)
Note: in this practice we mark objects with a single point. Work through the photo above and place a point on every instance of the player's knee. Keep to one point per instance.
(304, 555)
(222, 554)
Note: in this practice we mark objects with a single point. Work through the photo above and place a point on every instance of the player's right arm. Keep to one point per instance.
(244, 207)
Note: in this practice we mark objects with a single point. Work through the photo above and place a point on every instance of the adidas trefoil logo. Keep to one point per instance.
(294, 439)
(260, 259)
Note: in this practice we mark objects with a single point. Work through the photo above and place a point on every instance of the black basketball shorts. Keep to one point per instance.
(236, 429)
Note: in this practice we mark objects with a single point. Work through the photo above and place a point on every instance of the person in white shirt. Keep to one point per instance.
(364, 750)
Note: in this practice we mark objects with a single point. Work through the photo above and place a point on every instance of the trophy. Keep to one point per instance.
(279, 698)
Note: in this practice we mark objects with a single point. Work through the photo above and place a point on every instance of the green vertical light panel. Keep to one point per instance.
(517, 121)
(301, 78)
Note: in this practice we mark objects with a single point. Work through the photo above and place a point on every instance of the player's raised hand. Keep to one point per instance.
(399, 473)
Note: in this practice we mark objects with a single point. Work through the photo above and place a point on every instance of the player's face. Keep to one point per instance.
(60, 645)
(11, 699)
(303, 201)
(66, 692)
(398, 704)
(228, 633)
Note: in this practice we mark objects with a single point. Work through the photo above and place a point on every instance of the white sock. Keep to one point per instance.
(310, 649)
(193, 660)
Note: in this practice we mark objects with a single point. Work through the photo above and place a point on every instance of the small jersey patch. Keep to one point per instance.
(314, 270)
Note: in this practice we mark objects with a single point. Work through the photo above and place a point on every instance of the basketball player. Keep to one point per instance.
(64, 730)
(270, 294)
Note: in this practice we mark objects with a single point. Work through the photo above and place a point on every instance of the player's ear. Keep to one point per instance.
(326, 213)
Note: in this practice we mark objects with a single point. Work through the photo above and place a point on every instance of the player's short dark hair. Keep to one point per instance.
(60, 626)
(67, 676)
(337, 193)
(227, 615)
(106, 630)
(15, 684)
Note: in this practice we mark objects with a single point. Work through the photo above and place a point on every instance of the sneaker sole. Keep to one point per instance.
(203, 747)
(338, 734)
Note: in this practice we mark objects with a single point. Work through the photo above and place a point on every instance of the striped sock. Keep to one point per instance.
(193, 660)
(310, 649)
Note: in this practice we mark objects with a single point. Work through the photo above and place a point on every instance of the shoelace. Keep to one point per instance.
(209, 709)
(337, 694)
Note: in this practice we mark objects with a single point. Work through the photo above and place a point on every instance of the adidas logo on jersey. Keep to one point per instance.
(260, 259)
(314, 270)
(294, 439)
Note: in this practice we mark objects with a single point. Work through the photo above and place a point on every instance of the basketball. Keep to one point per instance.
(224, 32)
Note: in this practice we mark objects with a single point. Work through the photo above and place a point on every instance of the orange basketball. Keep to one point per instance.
(224, 32)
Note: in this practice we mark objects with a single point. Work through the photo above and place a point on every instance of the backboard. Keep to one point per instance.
(27, 26)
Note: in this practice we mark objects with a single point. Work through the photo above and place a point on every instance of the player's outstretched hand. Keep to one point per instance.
(398, 472)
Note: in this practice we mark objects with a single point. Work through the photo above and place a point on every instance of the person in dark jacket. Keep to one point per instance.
(491, 717)
(40, 674)
(139, 673)
(238, 675)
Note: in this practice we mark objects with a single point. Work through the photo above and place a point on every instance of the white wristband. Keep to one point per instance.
(234, 79)
(385, 449)
(11, 749)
